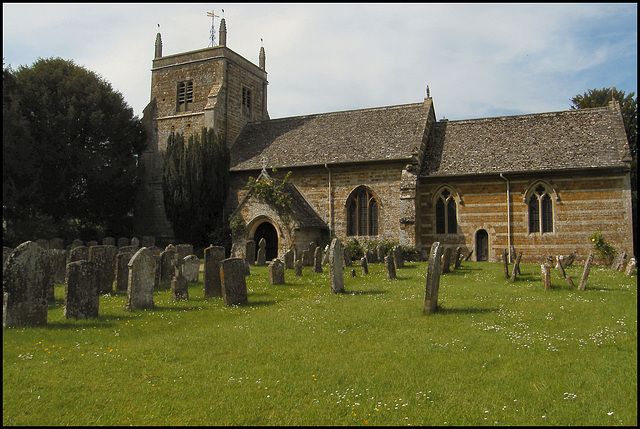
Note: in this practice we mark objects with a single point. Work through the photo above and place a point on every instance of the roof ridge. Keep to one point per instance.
(524, 115)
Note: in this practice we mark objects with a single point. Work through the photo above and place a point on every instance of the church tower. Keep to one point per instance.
(212, 87)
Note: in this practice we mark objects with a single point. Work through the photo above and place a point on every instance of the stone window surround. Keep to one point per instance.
(371, 195)
(549, 190)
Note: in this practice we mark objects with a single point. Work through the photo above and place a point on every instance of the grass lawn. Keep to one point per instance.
(497, 353)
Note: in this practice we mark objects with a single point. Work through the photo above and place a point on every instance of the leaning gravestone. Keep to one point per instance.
(213, 256)
(380, 253)
(562, 271)
(122, 269)
(307, 258)
(630, 267)
(433, 279)
(390, 267)
(142, 268)
(619, 261)
(325, 256)
(105, 260)
(276, 272)
(191, 268)
(336, 261)
(398, 258)
(234, 284)
(262, 252)
(25, 277)
(81, 294)
(317, 261)
(505, 262)
(516, 267)
(457, 260)
(587, 269)
(364, 265)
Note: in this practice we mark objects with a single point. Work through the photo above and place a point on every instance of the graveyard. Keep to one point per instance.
(495, 349)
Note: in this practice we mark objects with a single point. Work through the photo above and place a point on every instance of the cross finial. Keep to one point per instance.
(264, 164)
(213, 31)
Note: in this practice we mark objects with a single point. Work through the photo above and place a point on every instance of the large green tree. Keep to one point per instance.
(70, 148)
(195, 185)
(629, 110)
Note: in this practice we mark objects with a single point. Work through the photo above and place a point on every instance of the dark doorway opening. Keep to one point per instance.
(268, 232)
(482, 245)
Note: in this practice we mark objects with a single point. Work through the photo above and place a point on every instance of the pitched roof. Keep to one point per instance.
(383, 133)
(582, 138)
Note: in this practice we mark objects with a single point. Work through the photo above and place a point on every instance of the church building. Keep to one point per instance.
(541, 183)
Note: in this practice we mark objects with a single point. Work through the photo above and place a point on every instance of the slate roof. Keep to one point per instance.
(383, 133)
(583, 138)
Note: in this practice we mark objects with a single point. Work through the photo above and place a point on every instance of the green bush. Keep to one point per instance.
(605, 251)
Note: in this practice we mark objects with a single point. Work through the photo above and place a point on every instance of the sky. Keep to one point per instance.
(479, 60)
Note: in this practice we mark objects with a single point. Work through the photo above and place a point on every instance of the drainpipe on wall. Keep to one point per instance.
(508, 217)
(330, 204)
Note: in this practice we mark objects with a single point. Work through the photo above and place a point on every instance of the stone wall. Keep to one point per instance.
(586, 203)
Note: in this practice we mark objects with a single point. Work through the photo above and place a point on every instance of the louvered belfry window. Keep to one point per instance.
(185, 96)
(540, 211)
(362, 213)
(446, 213)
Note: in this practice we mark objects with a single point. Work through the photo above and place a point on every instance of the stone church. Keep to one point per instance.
(542, 183)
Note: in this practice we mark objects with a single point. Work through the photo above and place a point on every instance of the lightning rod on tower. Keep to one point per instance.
(212, 36)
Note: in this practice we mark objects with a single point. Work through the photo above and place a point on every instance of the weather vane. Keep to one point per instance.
(213, 29)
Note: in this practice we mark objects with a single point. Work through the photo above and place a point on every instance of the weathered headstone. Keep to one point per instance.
(123, 241)
(298, 267)
(148, 241)
(307, 258)
(458, 258)
(276, 272)
(58, 259)
(630, 267)
(516, 267)
(191, 268)
(380, 254)
(56, 243)
(398, 258)
(312, 251)
(433, 279)
(234, 284)
(390, 267)
(122, 270)
(370, 254)
(505, 262)
(168, 260)
(262, 252)
(446, 260)
(81, 293)
(213, 256)
(184, 250)
(251, 252)
(563, 272)
(25, 277)
(336, 269)
(76, 243)
(587, 269)
(288, 260)
(325, 255)
(546, 275)
(347, 257)
(108, 241)
(79, 253)
(179, 284)
(135, 243)
(6, 251)
(43, 243)
(92, 243)
(469, 255)
(142, 269)
(105, 260)
(364, 265)
(619, 261)
(317, 261)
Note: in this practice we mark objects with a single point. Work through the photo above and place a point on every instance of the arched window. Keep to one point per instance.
(362, 213)
(540, 211)
(446, 213)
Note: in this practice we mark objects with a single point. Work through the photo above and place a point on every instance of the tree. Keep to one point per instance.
(70, 148)
(629, 110)
(195, 186)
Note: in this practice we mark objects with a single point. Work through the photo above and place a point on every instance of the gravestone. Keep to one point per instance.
(58, 259)
(148, 241)
(213, 256)
(25, 276)
(390, 267)
(312, 252)
(298, 267)
(347, 257)
(135, 243)
(184, 250)
(307, 260)
(630, 266)
(251, 252)
(43, 243)
(130, 249)
(288, 260)
(336, 261)
(364, 265)
(325, 255)
(81, 293)
(380, 253)
(123, 241)
(505, 263)
(516, 267)
(619, 261)
(108, 241)
(317, 261)
(262, 252)
(546, 275)
(122, 270)
(587, 269)
(79, 253)
(563, 272)
(398, 258)
(105, 259)
(352, 273)
(276, 272)
(469, 255)
(76, 243)
(168, 260)
(6, 251)
(142, 271)
(370, 254)
(191, 268)
(92, 243)
(446, 260)
(179, 284)
(433, 279)
(56, 243)
(234, 284)
(458, 258)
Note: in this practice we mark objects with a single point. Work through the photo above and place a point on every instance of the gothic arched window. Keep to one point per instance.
(446, 213)
(362, 213)
(540, 211)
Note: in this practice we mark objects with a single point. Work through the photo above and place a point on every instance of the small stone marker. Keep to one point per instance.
(288, 260)
(191, 268)
(251, 252)
(630, 266)
(347, 257)
(336, 269)
(458, 258)
(390, 267)
(433, 279)
(618, 263)
(81, 293)
(585, 272)
(122, 270)
(446, 260)
(179, 284)
(317, 261)
(25, 278)
(364, 265)
(213, 255)
(262, 252)
(105, 260)
(298, 267)
(398, 258)
(505, 262)
(168, 259)
(142, 269)
(234, 284)
(516, 267)
(546, 276)
(380, 253)
(276, 272)
(563, 272)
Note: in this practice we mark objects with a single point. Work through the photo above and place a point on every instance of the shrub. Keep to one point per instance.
(605, 251)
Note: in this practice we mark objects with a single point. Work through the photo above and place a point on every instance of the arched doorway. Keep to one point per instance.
(482, 245)
(268, 232)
